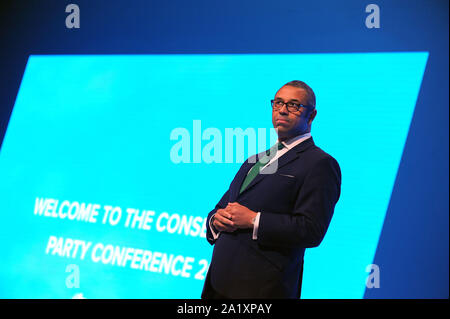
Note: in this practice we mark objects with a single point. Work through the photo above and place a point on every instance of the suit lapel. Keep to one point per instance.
(236, 186)
(290, 156)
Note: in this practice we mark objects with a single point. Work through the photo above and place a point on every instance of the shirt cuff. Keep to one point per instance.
(211, 227)
(256, 226)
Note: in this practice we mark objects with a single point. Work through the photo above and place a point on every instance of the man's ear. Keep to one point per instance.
(312, 116)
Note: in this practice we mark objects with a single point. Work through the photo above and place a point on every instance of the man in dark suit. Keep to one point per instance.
(280, 202)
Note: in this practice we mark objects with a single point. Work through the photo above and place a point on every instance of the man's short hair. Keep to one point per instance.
(309, 92)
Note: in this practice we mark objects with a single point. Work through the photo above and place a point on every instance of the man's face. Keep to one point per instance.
(290, 124)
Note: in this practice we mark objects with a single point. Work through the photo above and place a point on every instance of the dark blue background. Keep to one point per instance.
(413, 248)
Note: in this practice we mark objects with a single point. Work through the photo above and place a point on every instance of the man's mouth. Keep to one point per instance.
(281, 121)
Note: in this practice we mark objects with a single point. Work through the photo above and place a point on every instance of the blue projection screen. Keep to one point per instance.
(111, 163)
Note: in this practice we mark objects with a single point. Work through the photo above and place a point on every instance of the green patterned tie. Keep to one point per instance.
(254, 171)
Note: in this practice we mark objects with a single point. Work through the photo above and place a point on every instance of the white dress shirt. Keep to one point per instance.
(288, 145)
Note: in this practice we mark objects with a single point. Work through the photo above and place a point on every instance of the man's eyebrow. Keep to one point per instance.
(291, 100)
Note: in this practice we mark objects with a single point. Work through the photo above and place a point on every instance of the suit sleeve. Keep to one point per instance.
(221, 204)
(314, 206)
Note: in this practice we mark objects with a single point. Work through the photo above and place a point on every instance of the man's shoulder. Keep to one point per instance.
(318, 152)
(317, 156)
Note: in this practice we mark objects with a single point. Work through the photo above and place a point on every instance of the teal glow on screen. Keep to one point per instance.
(98, 200)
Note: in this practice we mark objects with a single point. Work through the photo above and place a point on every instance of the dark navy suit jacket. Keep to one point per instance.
(296, 204)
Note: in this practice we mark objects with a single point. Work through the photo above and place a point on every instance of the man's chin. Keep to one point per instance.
(282, 129)
(282, 134)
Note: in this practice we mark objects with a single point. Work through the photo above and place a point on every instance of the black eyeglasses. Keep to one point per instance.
(291, 106)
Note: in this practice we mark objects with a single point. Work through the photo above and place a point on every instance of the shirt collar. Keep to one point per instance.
(290, 143)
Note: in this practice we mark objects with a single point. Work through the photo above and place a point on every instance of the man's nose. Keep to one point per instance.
(283, 109)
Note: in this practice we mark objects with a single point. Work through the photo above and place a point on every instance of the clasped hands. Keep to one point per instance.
(232, 217)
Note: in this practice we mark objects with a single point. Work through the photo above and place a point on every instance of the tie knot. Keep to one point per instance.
(271, 151)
